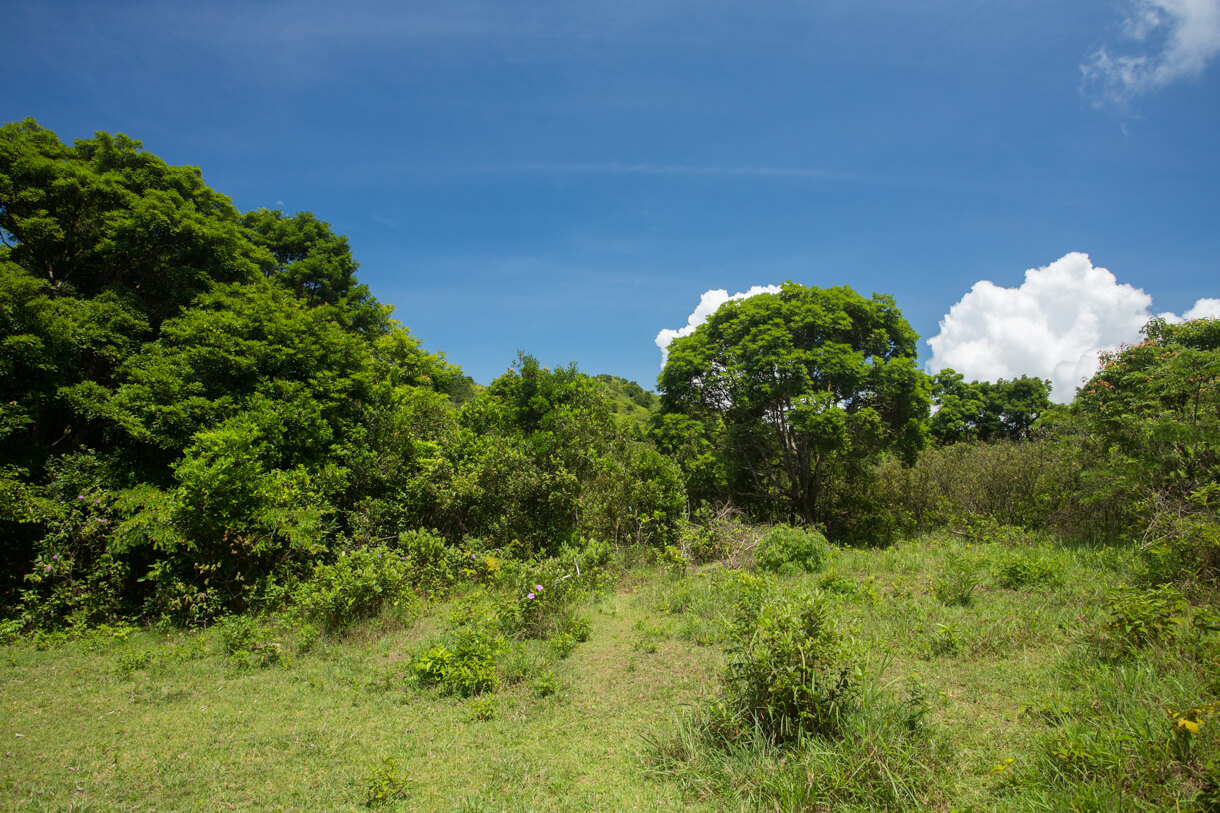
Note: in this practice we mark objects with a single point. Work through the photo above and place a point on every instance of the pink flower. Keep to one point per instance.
(530, 596)
(538, 587)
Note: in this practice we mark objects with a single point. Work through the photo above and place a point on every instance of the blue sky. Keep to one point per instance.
(569, 179)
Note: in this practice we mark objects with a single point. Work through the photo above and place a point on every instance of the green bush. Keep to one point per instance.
(562, 644)
(1046, 484)
(787, 550)
(539, 594)
(1139, 618)
(248, 643)
(791, 674)
(466, 666)
(357, 585)
(1182, 541)
(1027, 570)
(431, 564)
(385, 784)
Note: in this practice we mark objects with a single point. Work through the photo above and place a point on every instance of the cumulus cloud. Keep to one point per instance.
(1053, 326)
(709, 303)
(1163, 41)
(1204, 309)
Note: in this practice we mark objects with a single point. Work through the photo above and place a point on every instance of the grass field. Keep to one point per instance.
(990, 678)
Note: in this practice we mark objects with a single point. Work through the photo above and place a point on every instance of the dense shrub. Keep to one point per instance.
(247, 642)
(358, 584)
(1182, 541)
(465, 665)
(791, 674)
(787, 550)
(1046, 484)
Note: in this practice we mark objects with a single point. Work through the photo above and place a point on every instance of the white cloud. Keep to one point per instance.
(709, 303)
(1052, 326)
(1204, 309)
(1166, 40)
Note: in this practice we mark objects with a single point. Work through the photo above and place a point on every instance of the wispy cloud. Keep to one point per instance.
(1162, 41)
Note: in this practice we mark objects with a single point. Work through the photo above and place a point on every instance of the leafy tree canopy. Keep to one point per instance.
(986, 411)
(1157, 405)
(811, 384)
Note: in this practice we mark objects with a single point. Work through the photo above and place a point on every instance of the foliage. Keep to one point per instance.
(1038, 485)
(984, 410)
(788, 551)
(791, 674)
(721, 535)
(237, 409)
(957, 580)
(1017, 570)
(430, 564)
(540, 463)
(811, 386)
(358, 584)
(630, 403)
(386, 783)
(1154, 413)
(1139, 618)
(248, 643)
(466, 666)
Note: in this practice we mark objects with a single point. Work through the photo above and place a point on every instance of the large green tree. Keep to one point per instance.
(812, 385)
(985, 410)
(1152, 413)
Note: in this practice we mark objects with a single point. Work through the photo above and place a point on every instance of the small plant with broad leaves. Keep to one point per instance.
(1016, 571)
(1140, 618)
(386, 784)
(247, 643)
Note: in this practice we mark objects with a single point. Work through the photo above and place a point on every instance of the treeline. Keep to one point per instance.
(197, 406)
(201, 407)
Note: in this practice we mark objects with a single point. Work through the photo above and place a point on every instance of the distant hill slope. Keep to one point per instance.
(629, 400)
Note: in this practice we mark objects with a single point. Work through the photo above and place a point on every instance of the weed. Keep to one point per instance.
(247, 643)
(944, 640)
(577, 626)
(646, 635)
(843, 586)
(517, 664)
(1016, 570)
(545, 684)
(132, 660)
(916, 704)
(385, 784)
(562, 644)
(467, 667)
(1141, 617)
(482, 709)
(958, 578)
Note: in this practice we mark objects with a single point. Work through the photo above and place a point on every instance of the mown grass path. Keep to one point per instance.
(185, 732)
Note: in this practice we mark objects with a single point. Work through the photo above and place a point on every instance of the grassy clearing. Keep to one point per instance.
(973, 696)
